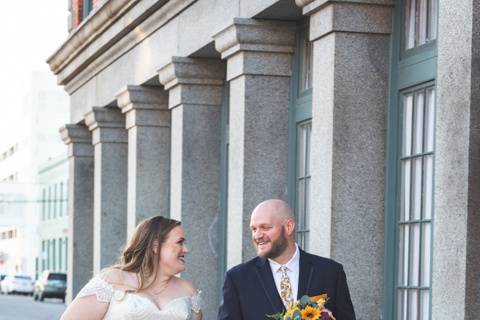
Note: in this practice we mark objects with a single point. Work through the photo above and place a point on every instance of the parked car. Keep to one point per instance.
(51, 285)
(17, 284)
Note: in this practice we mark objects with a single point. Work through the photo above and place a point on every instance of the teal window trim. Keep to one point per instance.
(87, 7)
(66, 253)
(408, 69)
(223, 216)
(300, 111)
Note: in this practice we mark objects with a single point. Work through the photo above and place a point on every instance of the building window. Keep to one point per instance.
(60, 254)
(416, 196)
(44, 204)
(49, 257)
(224, 157)
(87, 7)
(60, 201)
(420, 22)
(54, 255)
(55, 200)
(409, 215)
(49, 202)
(66, 253)
(300, 127)
(43, 255)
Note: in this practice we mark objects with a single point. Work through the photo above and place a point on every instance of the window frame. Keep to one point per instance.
(413, 68)
(300, 112)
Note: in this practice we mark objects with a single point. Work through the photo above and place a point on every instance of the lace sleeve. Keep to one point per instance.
(197, 302)
(99, 287)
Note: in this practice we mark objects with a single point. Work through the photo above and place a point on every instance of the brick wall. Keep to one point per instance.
(76, 12)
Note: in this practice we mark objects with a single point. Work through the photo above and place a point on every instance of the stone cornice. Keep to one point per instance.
(108, 34)
(75, 133)
(311, 6)
(140, 97)
(255, 35)
(100, 117)
(198, 71)
(78, 139)
(349, 17)
(193, 81)
(99, 21)
(144, 106)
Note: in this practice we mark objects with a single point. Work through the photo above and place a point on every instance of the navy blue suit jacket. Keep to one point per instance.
(249, 291)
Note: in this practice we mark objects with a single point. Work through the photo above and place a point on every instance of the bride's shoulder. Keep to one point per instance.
(119, 278)
(186, 286)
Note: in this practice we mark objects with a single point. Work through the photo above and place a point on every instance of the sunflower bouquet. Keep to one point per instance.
(307, 308)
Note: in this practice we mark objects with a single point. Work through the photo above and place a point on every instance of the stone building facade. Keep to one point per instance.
(359, 113)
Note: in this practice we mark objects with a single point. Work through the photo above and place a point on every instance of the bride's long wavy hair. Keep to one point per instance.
(142, 253)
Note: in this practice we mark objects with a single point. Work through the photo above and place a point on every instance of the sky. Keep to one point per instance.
(30, 32)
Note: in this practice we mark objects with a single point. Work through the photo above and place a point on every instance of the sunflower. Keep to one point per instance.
(310, 313)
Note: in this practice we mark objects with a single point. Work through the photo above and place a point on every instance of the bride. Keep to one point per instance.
(144, 285)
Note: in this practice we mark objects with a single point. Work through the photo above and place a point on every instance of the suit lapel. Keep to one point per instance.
(305, 275)
(265, 278)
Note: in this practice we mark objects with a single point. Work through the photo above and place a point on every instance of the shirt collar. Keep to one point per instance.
(292, 264)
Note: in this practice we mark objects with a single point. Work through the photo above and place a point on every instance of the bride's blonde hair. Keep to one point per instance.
(142, 253)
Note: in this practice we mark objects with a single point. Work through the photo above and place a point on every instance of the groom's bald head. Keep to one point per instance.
(274, 208)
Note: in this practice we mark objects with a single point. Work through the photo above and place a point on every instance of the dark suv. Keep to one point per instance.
(51, 285)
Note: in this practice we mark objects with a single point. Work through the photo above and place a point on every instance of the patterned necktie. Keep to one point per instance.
(285, 288)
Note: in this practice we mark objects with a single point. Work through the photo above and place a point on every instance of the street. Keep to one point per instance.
(17, 307)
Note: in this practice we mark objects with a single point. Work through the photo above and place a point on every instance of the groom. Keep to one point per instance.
(282, 272)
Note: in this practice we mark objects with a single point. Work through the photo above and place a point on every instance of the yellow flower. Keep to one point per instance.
(290, 311)
(310, 313)
(320, 300)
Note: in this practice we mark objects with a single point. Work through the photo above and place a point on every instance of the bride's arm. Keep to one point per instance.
(88, 307)
(93, 300)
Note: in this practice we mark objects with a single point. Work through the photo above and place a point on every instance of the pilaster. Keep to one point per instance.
(259, 56)
(80, 207)
(109, 138)
(351, 42)
(148, 124)
(195, 95)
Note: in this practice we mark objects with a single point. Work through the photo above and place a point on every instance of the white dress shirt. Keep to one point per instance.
(293, 271)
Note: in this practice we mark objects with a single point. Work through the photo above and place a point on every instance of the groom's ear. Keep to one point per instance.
(290, 226)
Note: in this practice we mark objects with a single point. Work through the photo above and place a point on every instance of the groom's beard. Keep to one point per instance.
(278, 247)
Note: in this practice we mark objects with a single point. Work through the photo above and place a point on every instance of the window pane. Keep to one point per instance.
(402, 304)
(302, 150)
(420, 22)
(418, 139)
(415, 254)
(417, 188)
(426, 254)
(425, 305)
(433, 19)
(401, 255)
(410, 6)
(428, 187)
(406, 185)
(407, 124)
(306, 64)
(406, 246)
(429, 119)
(413, 304)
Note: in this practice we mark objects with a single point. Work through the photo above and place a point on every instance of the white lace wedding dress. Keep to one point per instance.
(135, 306)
